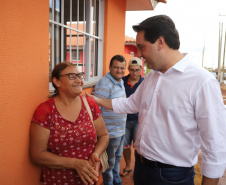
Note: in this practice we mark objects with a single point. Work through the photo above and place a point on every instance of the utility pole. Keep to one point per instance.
(219, 50)
(203, 51)
(224, 54)
(222, 22)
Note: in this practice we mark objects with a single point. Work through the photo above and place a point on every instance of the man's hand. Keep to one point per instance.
(105, 103)
(94, 97)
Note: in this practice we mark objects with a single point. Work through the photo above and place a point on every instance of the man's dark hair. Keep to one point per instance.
(119, 58)
(159, 25)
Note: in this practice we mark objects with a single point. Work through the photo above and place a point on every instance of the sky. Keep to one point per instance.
(197, 22)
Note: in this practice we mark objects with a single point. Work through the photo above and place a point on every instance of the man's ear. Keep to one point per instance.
(161, 42)
(56, 82)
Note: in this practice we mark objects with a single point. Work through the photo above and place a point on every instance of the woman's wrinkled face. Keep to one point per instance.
(70, 81)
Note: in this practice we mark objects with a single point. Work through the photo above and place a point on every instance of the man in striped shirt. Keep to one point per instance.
(110, 87)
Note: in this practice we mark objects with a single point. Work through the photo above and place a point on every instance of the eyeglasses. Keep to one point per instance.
(134, 70)
(116, 67)
(73, 76)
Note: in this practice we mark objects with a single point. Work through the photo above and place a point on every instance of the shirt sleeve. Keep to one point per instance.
(211, 119)
(41, 115)
(130, 105)
(94, 108)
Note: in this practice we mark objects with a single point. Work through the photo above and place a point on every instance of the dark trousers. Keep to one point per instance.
(149, 175)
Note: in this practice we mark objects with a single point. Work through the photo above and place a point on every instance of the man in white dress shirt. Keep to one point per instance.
(180, 108)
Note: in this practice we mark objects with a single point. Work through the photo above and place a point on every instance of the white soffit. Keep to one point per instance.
(154, 3)
(137, 5)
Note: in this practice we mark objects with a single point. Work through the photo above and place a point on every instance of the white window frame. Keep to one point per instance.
(89, 80)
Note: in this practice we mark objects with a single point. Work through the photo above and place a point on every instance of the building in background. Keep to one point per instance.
(131, 49)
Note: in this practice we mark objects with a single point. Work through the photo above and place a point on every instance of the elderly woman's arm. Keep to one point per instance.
(102, 141)
(39, 137)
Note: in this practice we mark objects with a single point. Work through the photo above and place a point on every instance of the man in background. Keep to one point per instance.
(110, 87)
(131, 83)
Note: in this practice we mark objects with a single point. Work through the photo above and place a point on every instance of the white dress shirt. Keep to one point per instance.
(179, 111)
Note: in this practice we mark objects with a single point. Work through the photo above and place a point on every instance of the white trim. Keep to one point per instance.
(73, 29)
(77, 50)
(131, 43)
(62, 30)
(154, 3)
(84, 18)
(70, 29)
(100, 42)
(88, 42)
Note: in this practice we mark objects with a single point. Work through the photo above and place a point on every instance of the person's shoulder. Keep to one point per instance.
(194, 69)
(103, 80)
(91, 101)
(46, 105)
(198, 76)
(125, 78)
(199, 72)
(104, 83)
(149, 75)
(141, 78)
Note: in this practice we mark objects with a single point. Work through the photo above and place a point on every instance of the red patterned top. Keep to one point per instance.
(70, 139)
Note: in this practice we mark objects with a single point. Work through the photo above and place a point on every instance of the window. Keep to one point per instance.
(75, 55)
(76, 36)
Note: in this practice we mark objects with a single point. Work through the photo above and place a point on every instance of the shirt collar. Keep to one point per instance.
(182, 64)
(113, 80)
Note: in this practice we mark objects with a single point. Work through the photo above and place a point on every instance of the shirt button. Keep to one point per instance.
(156, 92)
(142, 138)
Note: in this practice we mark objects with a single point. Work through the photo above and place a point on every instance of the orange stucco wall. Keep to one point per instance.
(114, 30)
(24, 57)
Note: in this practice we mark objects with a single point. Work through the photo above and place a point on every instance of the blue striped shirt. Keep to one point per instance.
(109, 88)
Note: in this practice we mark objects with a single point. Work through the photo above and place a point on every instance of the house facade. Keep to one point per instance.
(35, 36)
(131, 49)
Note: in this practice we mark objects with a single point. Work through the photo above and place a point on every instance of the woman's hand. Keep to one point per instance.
(87, 173)
(95, 161)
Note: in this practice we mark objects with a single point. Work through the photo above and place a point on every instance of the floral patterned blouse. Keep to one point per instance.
(70, 139)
